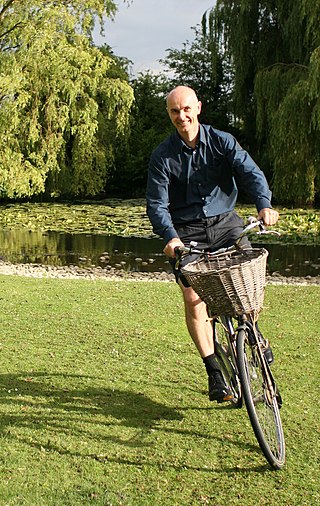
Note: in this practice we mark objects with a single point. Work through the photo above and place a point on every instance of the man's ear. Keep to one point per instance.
(199, 106)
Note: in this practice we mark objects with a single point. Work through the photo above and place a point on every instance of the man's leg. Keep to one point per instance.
(198, 322)
(201, 332)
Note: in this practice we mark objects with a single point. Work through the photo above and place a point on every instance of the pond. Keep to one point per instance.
(131, 253)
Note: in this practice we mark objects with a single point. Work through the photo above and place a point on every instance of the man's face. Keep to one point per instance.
(183, 108)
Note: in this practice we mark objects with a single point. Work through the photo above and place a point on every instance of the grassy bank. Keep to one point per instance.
(103, 401)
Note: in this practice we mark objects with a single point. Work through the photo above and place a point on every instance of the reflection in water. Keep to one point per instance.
(54, 248)
(293, 260)
(130, 253)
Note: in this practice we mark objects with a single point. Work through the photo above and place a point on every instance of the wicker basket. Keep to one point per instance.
(230, 283)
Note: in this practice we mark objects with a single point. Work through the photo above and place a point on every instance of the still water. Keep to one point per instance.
(131, 253)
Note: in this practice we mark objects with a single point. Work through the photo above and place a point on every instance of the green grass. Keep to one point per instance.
(103, 400)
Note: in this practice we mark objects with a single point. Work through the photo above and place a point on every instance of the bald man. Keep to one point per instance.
(192, 190)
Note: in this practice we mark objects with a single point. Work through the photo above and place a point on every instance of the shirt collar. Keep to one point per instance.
(202, 135)
(180, 144)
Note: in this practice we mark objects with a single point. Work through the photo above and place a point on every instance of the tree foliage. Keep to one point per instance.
(149, 125)
(61, 104)
(273, 47)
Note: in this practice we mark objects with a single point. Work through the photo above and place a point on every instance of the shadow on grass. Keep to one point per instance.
(40, 403)
(41, 390)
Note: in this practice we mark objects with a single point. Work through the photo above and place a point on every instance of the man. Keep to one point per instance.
(191, 194)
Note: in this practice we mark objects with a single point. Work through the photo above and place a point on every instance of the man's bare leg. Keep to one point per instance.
(198, 323)
(200, 329)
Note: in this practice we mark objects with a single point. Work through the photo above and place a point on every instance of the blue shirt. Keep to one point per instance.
(186, 184)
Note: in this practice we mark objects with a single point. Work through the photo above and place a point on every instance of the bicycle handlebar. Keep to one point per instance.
(252, 223)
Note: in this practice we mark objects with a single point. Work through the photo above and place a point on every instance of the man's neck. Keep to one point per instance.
(191, 139)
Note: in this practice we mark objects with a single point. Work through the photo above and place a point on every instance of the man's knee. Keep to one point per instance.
(193, 304)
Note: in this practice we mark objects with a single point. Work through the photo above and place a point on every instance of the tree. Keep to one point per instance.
(273, 47)
(61, 105)
(149, 125)
(196, 65)
(199, 65)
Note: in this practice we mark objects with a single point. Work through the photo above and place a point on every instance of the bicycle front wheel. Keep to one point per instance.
(261, 400)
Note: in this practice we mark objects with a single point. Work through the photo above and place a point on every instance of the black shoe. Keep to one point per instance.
(218, 390)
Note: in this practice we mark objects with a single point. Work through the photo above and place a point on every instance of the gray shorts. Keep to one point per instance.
(210, 234)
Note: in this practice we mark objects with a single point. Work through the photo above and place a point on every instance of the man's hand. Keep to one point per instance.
(269, 216)
(171, 245)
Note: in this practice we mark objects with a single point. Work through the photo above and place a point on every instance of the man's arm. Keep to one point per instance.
(253, 182)
(158, 200)
(249, 176)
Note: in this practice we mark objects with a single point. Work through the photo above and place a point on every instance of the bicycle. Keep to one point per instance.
(231, 282)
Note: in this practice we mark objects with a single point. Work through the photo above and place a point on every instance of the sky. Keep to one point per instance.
(144, 30)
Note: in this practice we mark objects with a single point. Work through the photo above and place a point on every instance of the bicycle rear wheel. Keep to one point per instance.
(261, 400)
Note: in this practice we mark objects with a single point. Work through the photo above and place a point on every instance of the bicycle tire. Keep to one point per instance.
(261, 400)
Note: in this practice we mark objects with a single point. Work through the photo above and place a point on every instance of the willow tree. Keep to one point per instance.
(61, 106)
(274, 49)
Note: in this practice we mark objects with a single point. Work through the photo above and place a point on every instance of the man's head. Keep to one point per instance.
(183, 108)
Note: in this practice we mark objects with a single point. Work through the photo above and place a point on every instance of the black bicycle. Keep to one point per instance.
(231, 282)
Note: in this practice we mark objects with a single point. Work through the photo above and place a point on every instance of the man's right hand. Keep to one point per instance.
(171, 245)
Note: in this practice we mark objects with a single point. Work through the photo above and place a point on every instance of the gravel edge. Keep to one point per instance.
(113, 274)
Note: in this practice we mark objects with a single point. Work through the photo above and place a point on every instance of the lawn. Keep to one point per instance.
(103, 400)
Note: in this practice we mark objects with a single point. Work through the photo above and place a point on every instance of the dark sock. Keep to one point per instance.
(211, 363)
